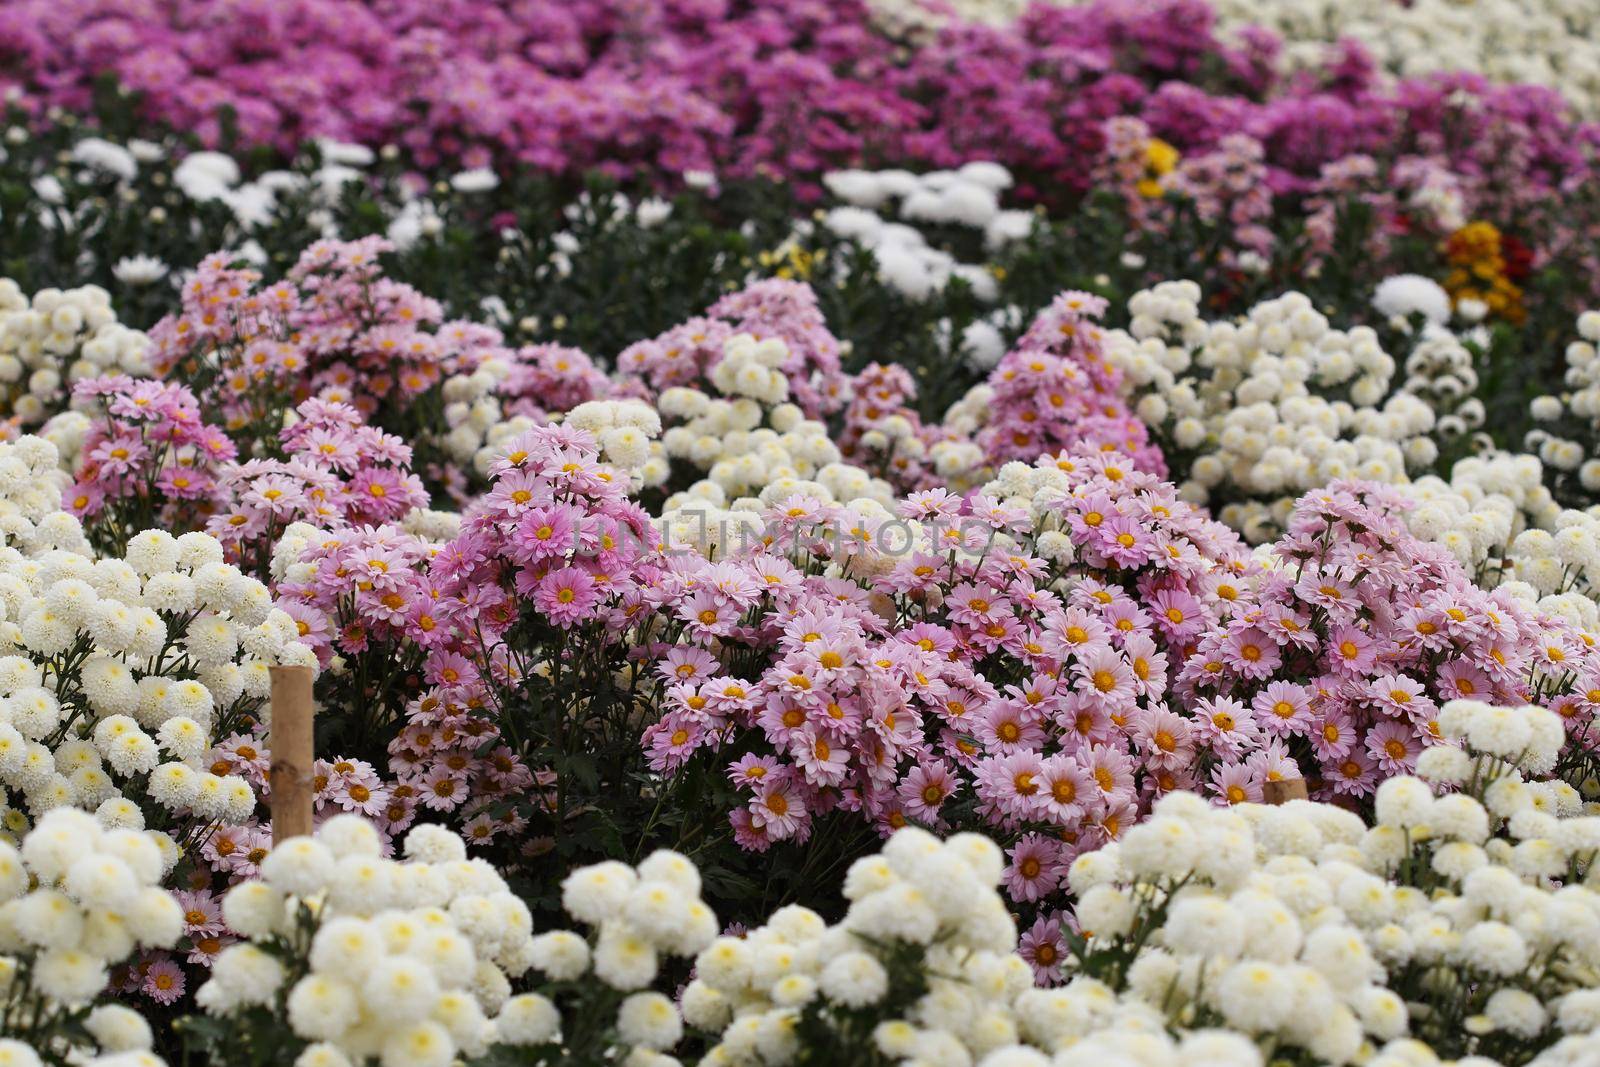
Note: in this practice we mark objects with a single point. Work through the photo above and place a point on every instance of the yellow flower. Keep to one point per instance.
(1479, 271)
(1160, 159)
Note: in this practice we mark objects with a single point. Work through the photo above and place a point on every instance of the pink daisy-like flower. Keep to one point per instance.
(164, 982)
(709, 614)
(1067, 792)
(686, 662)
(480, 829)
(925, 790)
(824, 760)
(1106, 674)
(670, 742)
(1283, 709)
(1288, 626)
(1330, 591)
(1165, 738)
(1087, 514)
(928, 637)
(363, 796)
(1397, 694)
(1036, 868)
(543, 533)
(566, 596)
(1111, 770)
(1011, 726)
(778, 809)
(203, 951)
(1394, 746)
(202, 912)
(752, 770)
(1334, 737)
(1235, 783)
(1350, 650)
(441, 789)
(1112, 822)
(1077, 630)
(450, 669)
(227, 848)
(1224, 725)
(1148, 663)
(1123, 541)
(1011, 785)
(1085, 720)
(1179, 614)
(1354, 774)
(928, 504)
(1250, 653)
(1459, 680)
(725, 696)
(973, 606)
(1045, 950)
(1426, 627)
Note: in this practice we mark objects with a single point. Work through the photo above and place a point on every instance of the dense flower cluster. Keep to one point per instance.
(334, 328)
(967, 199)
(121, 671)
(363, 958)
(339, 472)
(1057, 388)
(596, 987)
(1058, 732)
(1498, 518)
(1261, 410)
(1550, 42)
(751, 440)
(1485, 268)
(694, 90)
(76, 896)
(1360, 633)
(1567, 431)
(921, 966)
(707, 453)
(1445, 921)
(51, 342)
(146, 458)
(502, 398)
(777, 310)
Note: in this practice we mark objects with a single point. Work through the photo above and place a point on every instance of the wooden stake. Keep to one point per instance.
(1284, 790)
(293, 753)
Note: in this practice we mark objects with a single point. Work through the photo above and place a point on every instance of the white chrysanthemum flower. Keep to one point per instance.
(623, 958)
(1404, 295)
(599, 892)
(854, 979)
(649, 1020)
(300, 865)
(560, 954)
(528, 1019)
(322, 1007)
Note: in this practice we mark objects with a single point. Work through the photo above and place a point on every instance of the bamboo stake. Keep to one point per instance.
(293, 753)
(1284, 790)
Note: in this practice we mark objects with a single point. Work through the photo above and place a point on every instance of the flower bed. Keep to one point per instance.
(885, 533)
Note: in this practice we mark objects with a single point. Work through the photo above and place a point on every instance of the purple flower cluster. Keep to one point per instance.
(338, 472)
(1356, 637)
(1055, 390)
(335, 329)
(774, 308)
(147, 456)
(780, 87)
(956, 672)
